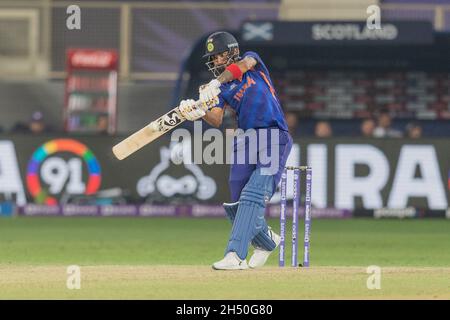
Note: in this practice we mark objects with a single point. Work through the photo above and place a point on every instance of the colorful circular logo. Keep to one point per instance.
(210, 47)
(41, 195)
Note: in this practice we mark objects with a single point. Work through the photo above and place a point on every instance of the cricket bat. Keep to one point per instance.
(149, 133)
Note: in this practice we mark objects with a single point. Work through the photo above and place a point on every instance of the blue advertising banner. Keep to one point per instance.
(336, 33)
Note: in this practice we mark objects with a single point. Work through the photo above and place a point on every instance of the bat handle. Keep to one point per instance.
(206, 106)
(200, 105)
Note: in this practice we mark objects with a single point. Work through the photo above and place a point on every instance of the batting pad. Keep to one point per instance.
(249, 219)
(262, 240)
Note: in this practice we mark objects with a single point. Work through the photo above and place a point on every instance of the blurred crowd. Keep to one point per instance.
(379, 126)
(35, 125)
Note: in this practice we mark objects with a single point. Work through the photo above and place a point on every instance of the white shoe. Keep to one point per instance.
(259, 257)
(231, 261)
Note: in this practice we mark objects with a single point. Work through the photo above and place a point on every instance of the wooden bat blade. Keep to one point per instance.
(152, 131)
(144, 136)
(136, 141)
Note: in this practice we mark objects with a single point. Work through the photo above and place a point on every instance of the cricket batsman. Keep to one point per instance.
(244, 84)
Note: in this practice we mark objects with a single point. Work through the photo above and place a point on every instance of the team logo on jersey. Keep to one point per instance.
(238, 96)
(210, 47)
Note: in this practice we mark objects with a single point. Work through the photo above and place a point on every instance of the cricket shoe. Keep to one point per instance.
(231, 261)
(259, 257)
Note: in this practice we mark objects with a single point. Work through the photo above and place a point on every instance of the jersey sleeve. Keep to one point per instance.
(254, 55)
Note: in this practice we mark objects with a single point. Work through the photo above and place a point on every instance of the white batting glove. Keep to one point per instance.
(190, 111)
(209, 93)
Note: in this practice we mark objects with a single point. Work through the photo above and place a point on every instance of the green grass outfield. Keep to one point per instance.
(168, 258)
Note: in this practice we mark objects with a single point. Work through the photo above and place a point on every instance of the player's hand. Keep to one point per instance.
(209, 93)
(190, 111)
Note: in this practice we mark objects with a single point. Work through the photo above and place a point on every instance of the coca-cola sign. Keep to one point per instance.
(98, 59)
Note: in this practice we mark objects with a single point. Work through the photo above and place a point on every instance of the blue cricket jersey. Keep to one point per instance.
(253, 98)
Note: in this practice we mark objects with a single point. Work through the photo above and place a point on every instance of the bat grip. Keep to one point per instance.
(200, 105)
(206, 106)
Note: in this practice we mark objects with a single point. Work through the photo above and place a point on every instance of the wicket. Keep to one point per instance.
(295, 212)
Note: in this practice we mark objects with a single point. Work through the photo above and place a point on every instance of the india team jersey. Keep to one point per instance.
(253, 98)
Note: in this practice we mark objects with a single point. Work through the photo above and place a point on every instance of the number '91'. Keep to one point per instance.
(55, 171)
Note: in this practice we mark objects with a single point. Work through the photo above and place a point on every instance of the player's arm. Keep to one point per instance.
(214, 116)
(211, 90)
(235, 70)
